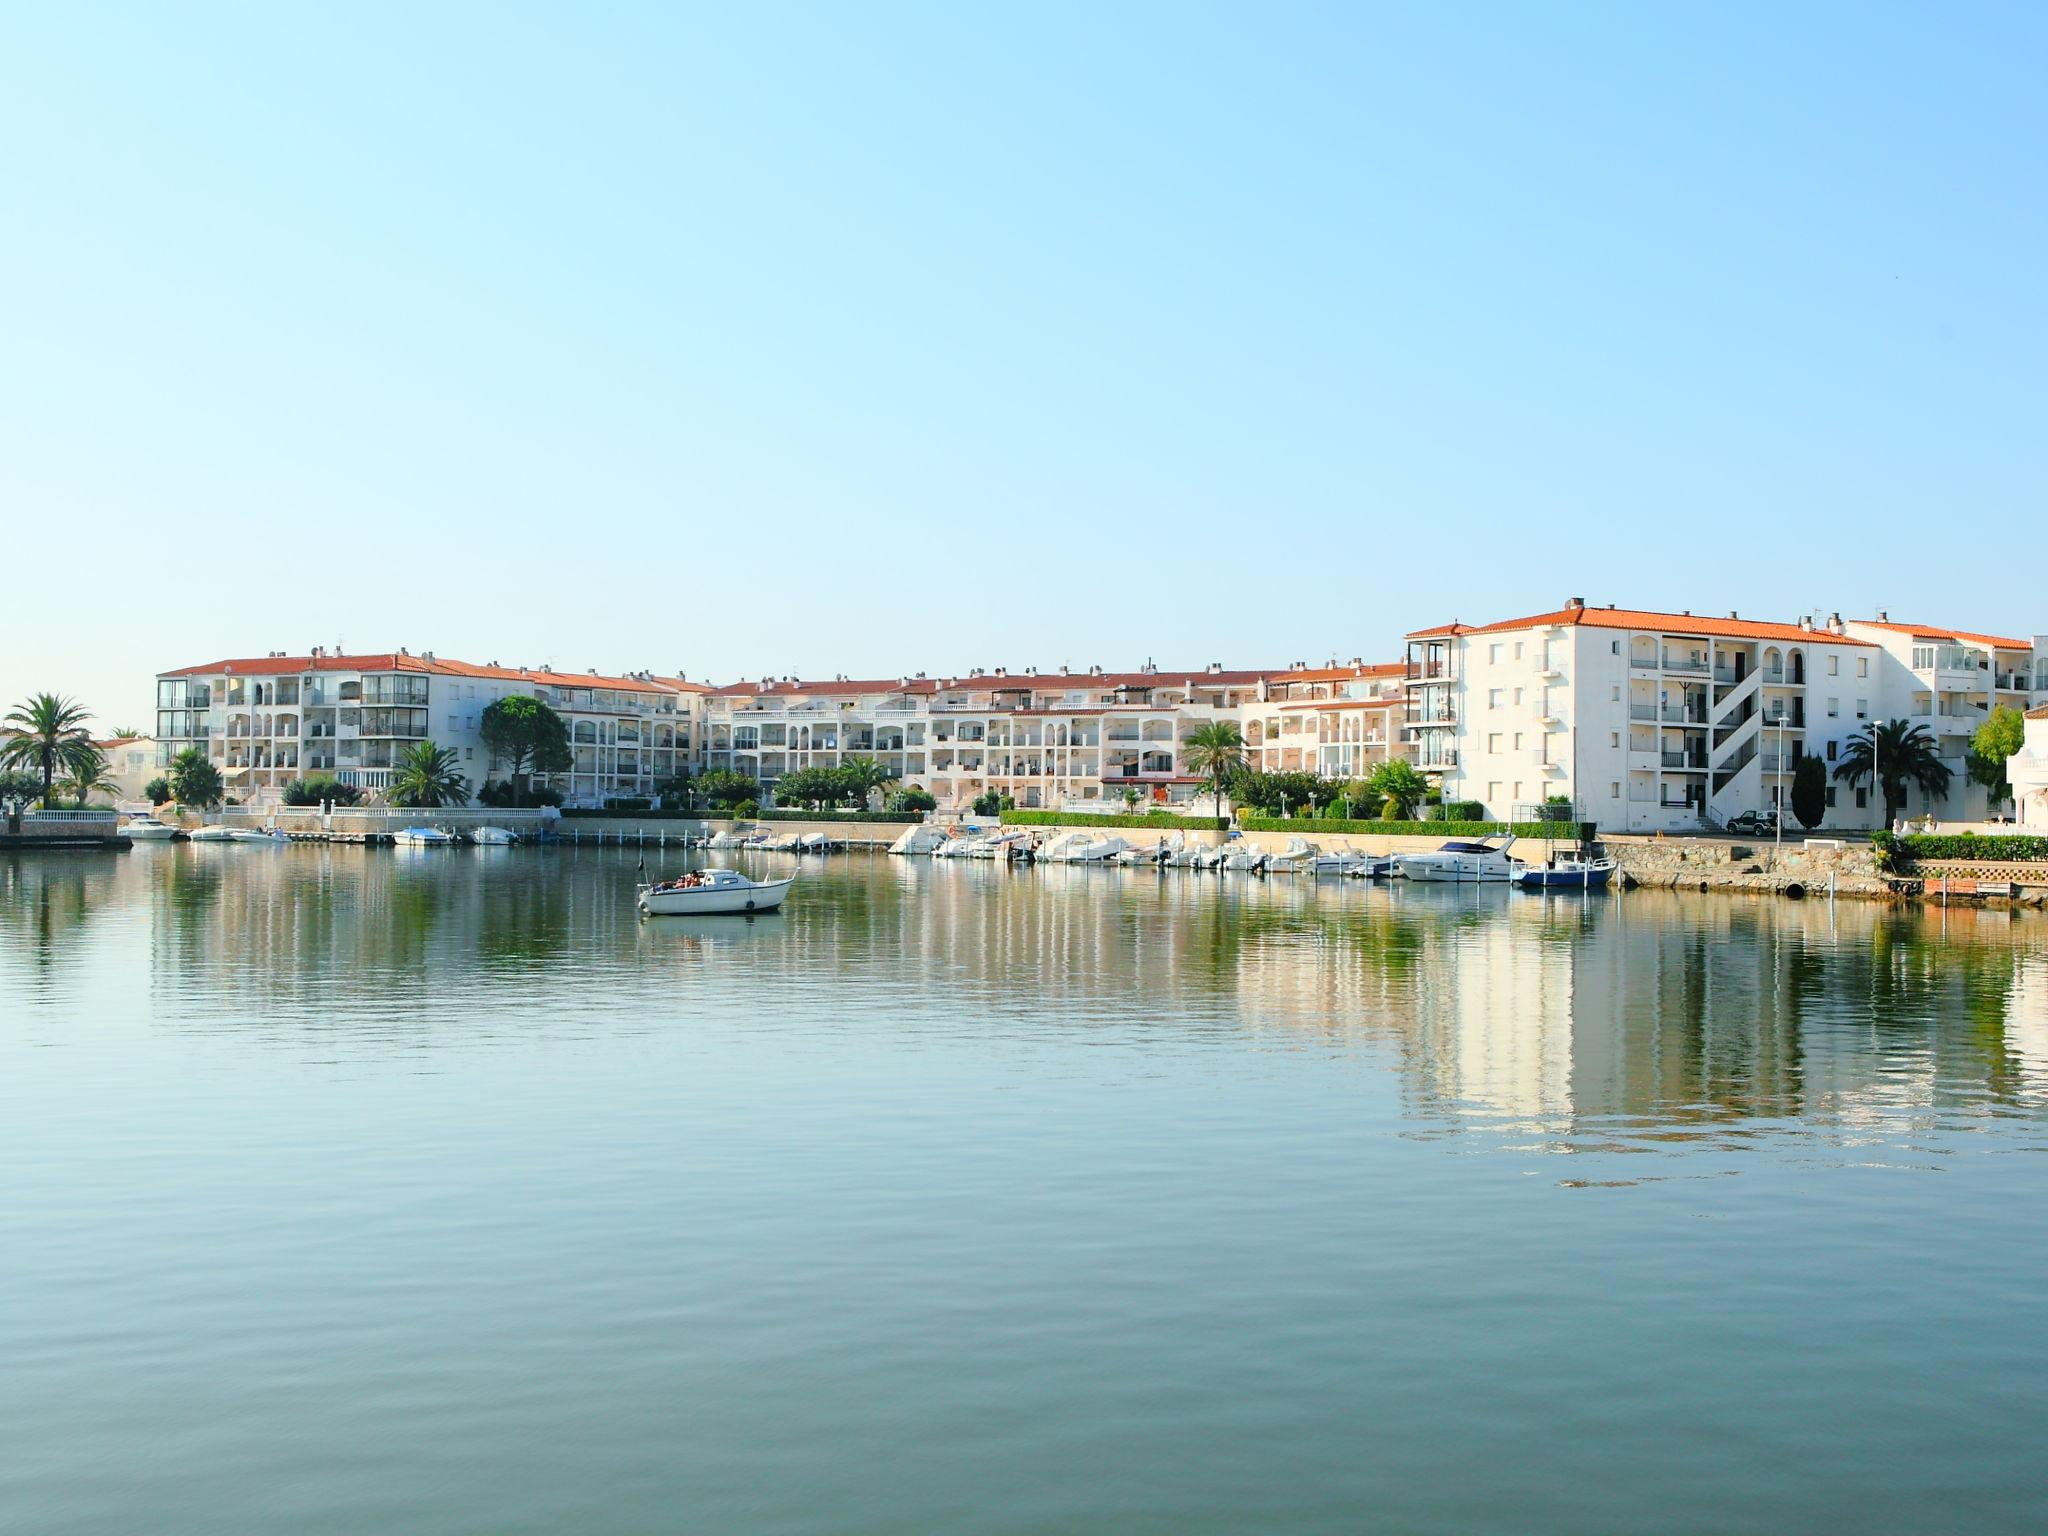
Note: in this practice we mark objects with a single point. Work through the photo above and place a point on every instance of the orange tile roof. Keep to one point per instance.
(1154, 677)
(2038, 712)
(1648, 619)
(1955, 636)
(405, 661)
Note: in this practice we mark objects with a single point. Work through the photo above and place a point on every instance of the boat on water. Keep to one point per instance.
(1461, 860)
(712, 893)
(493, 837)
(1371, 866)
(920, 839)
(147, 829)
(1569, 873)
(424, 837)
(1299, 854)
(237, 835)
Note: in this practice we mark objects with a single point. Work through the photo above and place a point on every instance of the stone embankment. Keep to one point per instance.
(1820, 867)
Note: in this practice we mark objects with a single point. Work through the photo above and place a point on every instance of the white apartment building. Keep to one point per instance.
(1948, 681)
(267, 720)
(1647, 721)
(1045, 739)
(2028, 771)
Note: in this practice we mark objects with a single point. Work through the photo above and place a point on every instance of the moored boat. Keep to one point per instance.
(424, 837)
(147, 829)
(1570, 873)
(712, 893)
(1461, 860)
(493, 837)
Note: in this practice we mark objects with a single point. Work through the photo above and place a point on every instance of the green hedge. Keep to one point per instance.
(1997, 847)
(1165, 822)
(1309, 825)
(894, 818)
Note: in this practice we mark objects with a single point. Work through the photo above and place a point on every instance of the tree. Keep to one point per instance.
(724, 787)
(811, 787)
(194, 779)
(862, 776)
(158, 790)
(1810, 791)
(426, 776)
(1400, 787)
(913, 797)
(87, 777)
(1214, 753)
(53, 739)
(319, 790)
(993, 803)
(1895, 755)
(125, 733)
(674, 792)
(526, 736)
(2003, 733)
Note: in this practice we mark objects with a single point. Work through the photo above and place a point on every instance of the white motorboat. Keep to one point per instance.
(255, 835)
(1296, 855)
(212, 835)
(1461, 860)
(1244, 858)
(1372, 866)
(920, 839)
(424, 837)
(1095, 848)
(147, 829)
(816, 842)
(1340, 862)
(1055, 851)
(493, 837)
(713, 893)
(1211, 858)
(729, 838)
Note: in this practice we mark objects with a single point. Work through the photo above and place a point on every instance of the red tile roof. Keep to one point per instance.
(1954, 636)
(404, 661)
(1156, 677)
(1648, 619)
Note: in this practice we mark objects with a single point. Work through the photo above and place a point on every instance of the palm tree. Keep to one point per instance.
(52, 737)
(88, 776)
(427, 776)
(1213, 751)
(195, 781)
(1895, 754)
(860, 775)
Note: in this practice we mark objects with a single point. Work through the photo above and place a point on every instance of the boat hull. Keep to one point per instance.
(1592, 879)
(1454, 871)
(151, 832)
(715, 902)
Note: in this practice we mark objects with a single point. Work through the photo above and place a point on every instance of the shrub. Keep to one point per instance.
(1996, 847)
(628, 803)
(315, 791)
(1552, 830)
(746, 809)
(913, 797)
(158, 790)
(1156, 821)
(1462, 810)
(722, 786)
(991, 803)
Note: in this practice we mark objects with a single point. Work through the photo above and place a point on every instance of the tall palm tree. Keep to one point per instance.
(53, 737)
(1213, 751)
(87, 776)
(427, 776)
(1896, 755)
(861, 775)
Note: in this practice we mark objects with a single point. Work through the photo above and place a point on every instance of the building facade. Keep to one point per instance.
(1051, 739)
(265, 721)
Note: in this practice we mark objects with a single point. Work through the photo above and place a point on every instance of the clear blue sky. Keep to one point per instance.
(864, 338)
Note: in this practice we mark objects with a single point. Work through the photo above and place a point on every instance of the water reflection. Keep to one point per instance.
(1561, 1023)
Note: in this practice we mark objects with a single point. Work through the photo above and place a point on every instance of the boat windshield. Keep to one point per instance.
(1468, 848)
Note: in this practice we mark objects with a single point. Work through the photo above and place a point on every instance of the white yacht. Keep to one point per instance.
(1462, 860)
(1298, 854)
(147, 829)
(424, 837)
(920, 839)
(493, 837)
(711, 893)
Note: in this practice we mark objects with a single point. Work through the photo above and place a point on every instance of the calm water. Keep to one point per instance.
(350, 1191)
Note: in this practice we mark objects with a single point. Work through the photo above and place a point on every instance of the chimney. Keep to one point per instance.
(1733, 614)
(1883, 617)
(1574, 604)
(1835, 622)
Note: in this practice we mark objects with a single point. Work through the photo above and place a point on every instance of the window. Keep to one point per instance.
(1863, 709)
(1493, 698)
(1518, 650)
(1616, 694)
(1862, 798)
(1493, 791)
(1518, 696)
(1834, 666)
(1493, 653)
(1614, 647)
(1831, 758)
(1863, 666)
(1614, 789)
(1834, 708)
(1923, 658)
(1493, 741)
(1614, 739)
(1518, 741)
(1831, 788)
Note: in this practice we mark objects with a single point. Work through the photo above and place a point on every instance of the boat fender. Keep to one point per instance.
(750, 903)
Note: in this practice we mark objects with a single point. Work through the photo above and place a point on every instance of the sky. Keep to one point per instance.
(741, 340)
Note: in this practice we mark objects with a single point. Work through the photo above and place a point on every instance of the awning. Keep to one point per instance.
(233, 773)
